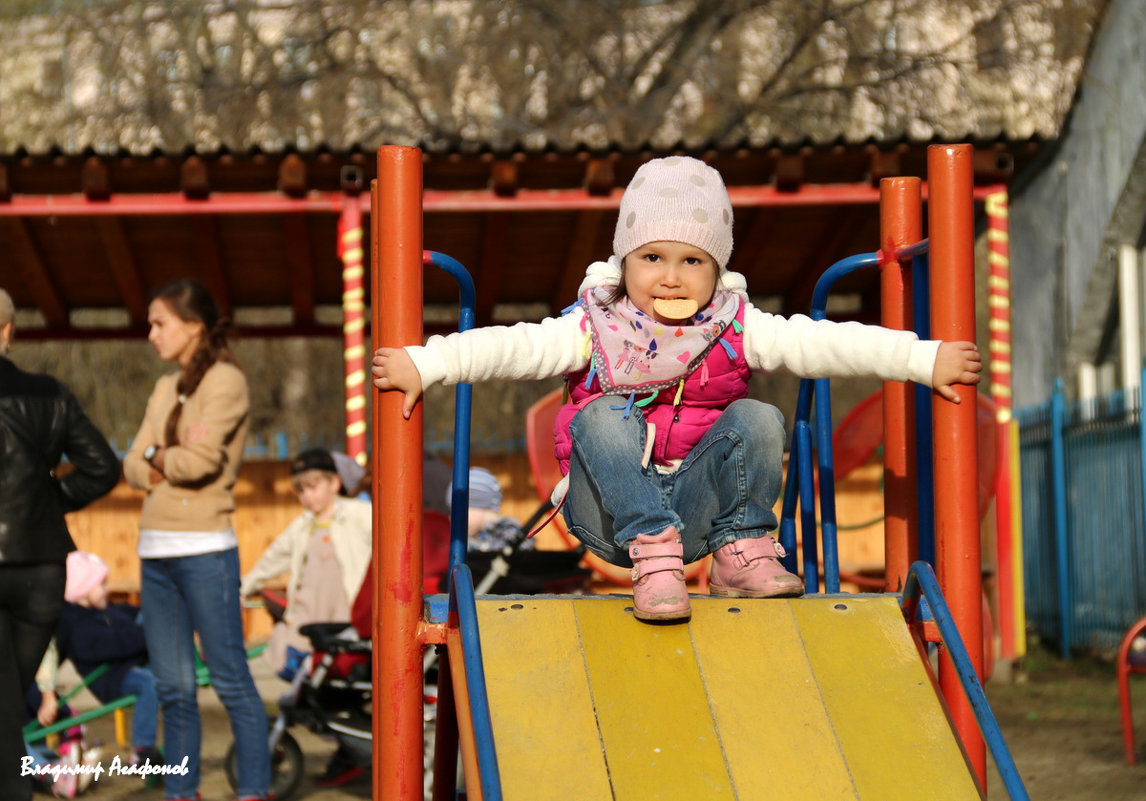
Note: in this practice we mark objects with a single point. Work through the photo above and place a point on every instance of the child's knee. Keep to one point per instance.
(603, 423)
(762, 423)
(596, 412)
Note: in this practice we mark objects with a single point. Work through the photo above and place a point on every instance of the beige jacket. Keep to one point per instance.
(351, 535)
(194, 493)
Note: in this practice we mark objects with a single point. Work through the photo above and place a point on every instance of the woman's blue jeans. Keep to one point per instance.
(183, 596)
(723, 491)
(140, 682)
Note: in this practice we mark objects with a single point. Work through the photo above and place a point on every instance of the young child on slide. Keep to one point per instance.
(665, 458)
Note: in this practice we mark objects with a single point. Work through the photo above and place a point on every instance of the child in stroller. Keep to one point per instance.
(331, 693)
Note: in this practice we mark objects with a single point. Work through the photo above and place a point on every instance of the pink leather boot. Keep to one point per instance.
(659, 591)
(750, 568)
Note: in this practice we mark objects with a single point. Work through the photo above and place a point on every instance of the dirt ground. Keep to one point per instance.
(1060, 720)
(1062, 724)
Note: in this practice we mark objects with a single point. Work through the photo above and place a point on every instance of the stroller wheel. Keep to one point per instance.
(286, 767)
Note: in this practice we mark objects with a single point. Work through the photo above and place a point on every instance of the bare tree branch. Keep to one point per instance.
(209, 74)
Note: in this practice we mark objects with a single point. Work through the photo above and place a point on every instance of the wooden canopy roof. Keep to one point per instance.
(260, 230)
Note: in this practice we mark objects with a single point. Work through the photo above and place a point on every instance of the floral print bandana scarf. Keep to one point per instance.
(632, 352)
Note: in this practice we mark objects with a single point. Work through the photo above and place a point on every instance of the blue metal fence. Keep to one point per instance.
(1084, 547)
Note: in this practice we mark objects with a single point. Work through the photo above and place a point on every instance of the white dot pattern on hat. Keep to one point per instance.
(676, 199)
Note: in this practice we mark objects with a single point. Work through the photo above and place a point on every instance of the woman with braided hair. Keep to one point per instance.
(186, 457)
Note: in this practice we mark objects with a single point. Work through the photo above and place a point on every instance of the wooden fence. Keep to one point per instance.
(265, 504)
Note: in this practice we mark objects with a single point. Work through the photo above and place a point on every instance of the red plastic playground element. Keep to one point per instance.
(860, 433)
(1129, 661)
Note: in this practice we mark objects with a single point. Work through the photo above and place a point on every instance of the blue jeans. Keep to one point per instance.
(723, 491)
(183, 596)
(140, 682)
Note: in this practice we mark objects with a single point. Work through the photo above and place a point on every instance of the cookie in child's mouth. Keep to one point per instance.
(675, 308)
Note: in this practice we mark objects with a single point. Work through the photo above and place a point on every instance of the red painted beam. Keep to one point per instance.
(433, 201)
(170, 204)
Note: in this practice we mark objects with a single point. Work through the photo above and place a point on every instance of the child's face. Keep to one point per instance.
(669, 271)
(97, 597)
(317, 491)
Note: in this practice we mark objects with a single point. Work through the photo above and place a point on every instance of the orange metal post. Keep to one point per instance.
(900, 224)
(396, 229)
(952, 253)
(353, 325)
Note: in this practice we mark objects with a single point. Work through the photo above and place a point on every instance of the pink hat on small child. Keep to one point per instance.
(86, 571)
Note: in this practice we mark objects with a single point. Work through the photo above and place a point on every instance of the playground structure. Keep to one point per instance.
(750, 691)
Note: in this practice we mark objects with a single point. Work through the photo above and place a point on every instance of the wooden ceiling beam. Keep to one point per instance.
(600, 177)
(503, 177)
(884, 163)
(746, 255)
(30, 263)
(487, 281)
(123, 268)
(600, 181)
(209, 256)
(292, 176)
(95, 179)
(839, 229)
(300, 266)
(789, 174)
(193, 178)
(581, 253)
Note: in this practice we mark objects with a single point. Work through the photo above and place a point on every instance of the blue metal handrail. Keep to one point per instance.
(819, 390)
(924, 451)
(800, 457)
(463, 617)
(921, 583)
(462, 604)
(463, 403)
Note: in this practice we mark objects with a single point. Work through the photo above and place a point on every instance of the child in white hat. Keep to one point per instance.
(666, 458)
(489, 530)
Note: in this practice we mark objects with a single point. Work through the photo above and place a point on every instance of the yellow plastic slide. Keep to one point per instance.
(812, 698)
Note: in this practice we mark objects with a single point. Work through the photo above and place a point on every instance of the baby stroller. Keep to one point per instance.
(331, 692)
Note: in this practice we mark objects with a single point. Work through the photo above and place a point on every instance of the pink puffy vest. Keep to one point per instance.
(708, 390)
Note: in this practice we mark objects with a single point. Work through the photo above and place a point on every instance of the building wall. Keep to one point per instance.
(1071, 209)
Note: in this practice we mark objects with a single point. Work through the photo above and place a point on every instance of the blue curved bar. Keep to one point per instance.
(463, 615)
(825, 459)
(921, 582)
(826, 463)
(835, 273)
(799, 481)
(792, 484)
(924, 461)
(915, 250)
(463, 404)
(803, 439)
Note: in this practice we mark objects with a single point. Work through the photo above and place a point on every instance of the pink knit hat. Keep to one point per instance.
(676, 199)
(86, 571)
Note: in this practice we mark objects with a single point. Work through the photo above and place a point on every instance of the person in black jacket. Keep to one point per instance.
(40, 421)
(93, 632)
